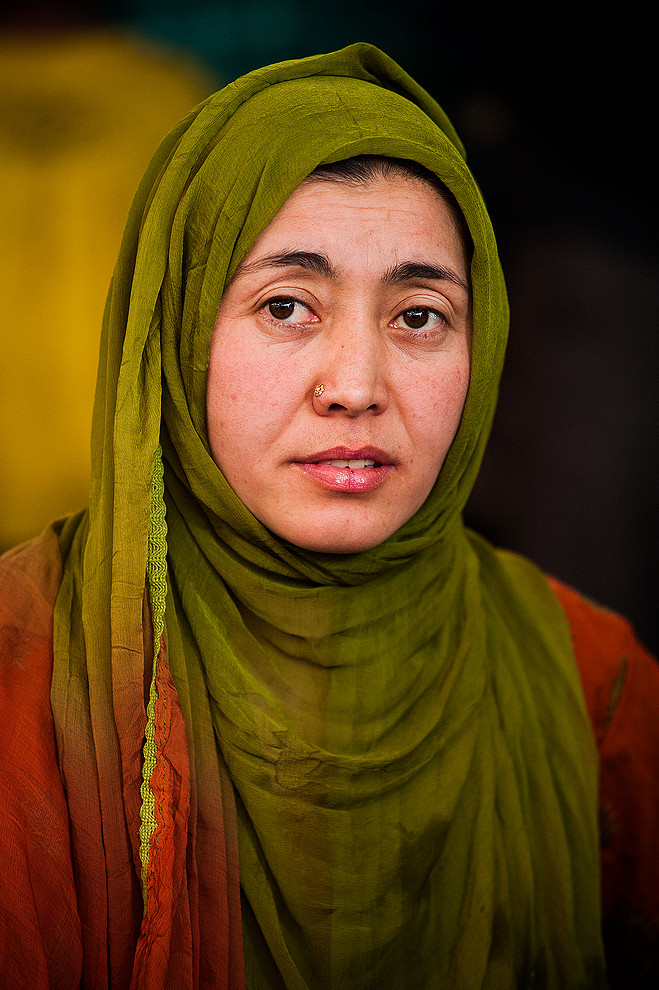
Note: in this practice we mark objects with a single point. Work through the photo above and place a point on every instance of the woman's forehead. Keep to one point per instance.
(328, 225)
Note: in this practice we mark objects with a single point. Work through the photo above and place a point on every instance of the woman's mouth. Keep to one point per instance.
(344, 470)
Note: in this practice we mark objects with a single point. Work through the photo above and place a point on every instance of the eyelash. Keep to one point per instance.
(415, 332)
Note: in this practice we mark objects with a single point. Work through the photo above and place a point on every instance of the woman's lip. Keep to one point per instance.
(346, 479)
(354, 480)
(348, 454)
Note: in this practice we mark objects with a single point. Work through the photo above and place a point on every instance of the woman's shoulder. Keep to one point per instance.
(30, 578)
(614, 666)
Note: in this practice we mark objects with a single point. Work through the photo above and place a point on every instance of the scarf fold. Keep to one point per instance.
(384, 756)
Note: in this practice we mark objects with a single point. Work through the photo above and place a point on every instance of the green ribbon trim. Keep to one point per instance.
(157, 577)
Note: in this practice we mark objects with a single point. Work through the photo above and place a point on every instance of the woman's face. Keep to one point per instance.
(339, 364)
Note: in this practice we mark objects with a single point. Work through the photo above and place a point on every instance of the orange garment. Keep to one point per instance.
(42, 944)
(621, 686)
(40, 936)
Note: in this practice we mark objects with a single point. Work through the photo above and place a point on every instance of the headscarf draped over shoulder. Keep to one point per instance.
(375, 769)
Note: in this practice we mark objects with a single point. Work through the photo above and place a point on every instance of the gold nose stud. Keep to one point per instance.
(319, 389)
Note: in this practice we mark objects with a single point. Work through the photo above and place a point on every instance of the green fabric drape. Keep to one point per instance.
(403, 730)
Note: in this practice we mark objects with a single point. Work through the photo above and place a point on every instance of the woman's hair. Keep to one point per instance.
(362, 169)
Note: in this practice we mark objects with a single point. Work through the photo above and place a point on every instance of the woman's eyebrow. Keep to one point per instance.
(319, 264)
(314, 262)
(410, 271)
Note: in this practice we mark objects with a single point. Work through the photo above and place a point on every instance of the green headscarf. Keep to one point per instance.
(403, 730)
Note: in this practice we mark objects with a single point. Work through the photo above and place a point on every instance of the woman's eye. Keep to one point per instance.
(290, 310)
(419, 318)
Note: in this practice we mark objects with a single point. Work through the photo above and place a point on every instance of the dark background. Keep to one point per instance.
(557, 110)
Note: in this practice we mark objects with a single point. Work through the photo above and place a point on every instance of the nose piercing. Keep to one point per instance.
(319, 389)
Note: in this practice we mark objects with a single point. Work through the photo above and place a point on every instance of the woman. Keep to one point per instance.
(367, 759)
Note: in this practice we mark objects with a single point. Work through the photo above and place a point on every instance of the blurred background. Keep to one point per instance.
(557, 112)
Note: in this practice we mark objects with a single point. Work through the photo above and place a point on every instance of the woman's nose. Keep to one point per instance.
(352, 373)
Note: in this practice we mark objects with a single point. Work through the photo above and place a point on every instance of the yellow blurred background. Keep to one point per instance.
(81, 113)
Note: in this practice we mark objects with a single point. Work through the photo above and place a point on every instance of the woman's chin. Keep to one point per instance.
(349, 526)
(334, 539)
